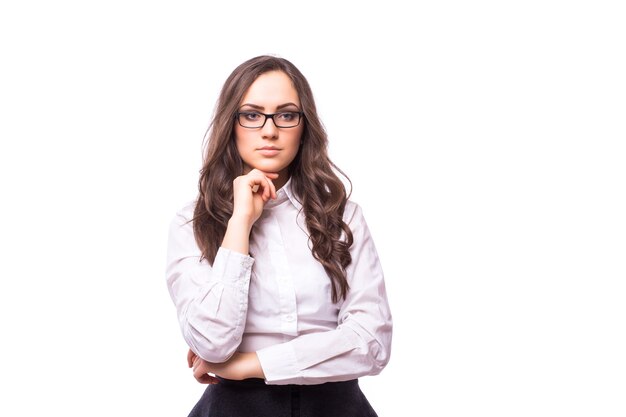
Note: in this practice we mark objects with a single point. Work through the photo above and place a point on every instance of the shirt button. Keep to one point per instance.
(289, 317)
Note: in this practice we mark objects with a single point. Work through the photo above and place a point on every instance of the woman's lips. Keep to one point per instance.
(268, 151)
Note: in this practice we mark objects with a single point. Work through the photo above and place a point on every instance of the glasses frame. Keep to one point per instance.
(268, 116)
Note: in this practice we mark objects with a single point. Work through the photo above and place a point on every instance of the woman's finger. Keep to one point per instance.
(260, 179)
(190, 357)
(207, 379)
(272, 187)
(197, 363)
(267, 192)
(199, 371)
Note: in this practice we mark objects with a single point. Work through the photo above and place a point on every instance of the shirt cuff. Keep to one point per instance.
(232, 267)
(279, 364)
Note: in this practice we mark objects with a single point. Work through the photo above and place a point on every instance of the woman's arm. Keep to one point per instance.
(212, 301)
(240, 366)
(250, 193)
(361, 343)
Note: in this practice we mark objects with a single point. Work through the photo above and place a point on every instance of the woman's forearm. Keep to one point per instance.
(237, 236)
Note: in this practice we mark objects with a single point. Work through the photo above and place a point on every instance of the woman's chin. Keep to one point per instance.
(270, 167)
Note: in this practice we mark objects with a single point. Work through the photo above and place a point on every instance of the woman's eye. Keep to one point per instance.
(252, 116)
(286, 116)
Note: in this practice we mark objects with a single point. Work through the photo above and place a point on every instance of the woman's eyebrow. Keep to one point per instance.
(254, 106)
(282, 106)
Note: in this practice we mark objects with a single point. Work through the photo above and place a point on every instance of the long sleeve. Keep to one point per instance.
(211, 302)
(361, 343)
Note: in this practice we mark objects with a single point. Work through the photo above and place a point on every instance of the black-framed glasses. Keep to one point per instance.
(256, 120)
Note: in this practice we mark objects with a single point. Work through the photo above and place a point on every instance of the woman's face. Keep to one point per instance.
(269, 148)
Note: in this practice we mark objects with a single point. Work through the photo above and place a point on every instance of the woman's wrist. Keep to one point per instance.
(240, 221)
(237, 236)
(256, 370)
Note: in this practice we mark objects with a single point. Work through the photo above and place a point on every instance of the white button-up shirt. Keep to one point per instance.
(277, 302)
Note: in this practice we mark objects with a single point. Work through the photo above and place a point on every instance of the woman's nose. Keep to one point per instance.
(269, 129)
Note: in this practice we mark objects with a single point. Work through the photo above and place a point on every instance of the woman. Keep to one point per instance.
(276, 280)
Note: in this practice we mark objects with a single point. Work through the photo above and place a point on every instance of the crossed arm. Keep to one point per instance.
(240, 366)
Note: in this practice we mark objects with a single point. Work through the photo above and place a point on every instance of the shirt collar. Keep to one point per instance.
(285, 193)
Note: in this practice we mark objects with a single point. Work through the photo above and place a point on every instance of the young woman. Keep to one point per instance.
(277, 283)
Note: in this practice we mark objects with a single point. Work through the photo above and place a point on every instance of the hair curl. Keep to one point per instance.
(313, 179)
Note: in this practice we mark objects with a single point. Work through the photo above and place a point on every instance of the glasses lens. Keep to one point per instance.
(287, 119)
(251, 119)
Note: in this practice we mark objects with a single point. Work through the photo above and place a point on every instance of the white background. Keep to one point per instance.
(485, 141)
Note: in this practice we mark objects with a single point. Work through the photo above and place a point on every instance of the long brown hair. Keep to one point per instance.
(313, 179)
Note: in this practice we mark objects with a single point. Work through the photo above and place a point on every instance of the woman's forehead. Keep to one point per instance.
(271, 89)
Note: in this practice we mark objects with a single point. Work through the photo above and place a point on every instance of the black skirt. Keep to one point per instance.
(254, 398)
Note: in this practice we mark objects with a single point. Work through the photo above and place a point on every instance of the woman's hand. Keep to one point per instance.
(250, 193)
(205, 378)
(239, 366)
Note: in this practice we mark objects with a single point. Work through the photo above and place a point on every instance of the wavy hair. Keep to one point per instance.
(313, 179)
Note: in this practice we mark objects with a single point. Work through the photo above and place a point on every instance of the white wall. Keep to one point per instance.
(485, 141)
